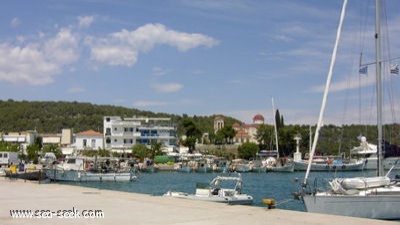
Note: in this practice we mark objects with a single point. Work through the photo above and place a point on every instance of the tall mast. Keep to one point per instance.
(378, 86)
(328, 82)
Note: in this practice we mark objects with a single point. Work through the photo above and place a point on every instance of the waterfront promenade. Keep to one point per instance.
(130, 208)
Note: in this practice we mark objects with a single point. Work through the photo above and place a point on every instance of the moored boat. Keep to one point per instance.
(370, 197)
(321, 164)
(77, 169)
(217, 191)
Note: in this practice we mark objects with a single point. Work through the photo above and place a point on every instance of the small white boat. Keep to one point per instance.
(76, 169)
(215, 192)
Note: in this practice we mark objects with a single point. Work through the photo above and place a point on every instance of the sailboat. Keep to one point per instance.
(370, 197)
(272, 161)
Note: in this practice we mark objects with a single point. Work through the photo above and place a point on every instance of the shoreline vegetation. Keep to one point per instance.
(52, 117)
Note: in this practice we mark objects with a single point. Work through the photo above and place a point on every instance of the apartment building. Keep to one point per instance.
(121, 134)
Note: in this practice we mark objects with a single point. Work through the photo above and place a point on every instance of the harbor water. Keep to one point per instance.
(278, 186)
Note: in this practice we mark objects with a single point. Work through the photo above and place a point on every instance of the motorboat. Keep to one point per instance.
(84, 170)
(216, 191)
(369, 152)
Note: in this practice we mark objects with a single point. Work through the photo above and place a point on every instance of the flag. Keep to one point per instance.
(363, 70)
(394, 69)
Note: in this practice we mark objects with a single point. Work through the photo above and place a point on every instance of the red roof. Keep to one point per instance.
(89, 133)
(258, 117)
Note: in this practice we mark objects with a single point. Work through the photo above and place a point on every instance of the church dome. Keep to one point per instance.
(258, 119)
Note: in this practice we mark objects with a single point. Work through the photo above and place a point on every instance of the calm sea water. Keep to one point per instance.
(278, 186)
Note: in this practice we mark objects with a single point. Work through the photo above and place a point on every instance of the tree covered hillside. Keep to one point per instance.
(51, 117)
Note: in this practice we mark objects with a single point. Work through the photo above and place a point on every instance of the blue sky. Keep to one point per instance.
(195, 57)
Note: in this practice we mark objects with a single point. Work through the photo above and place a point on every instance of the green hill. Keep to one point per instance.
(51, 117)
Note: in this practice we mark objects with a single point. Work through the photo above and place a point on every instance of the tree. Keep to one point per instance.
(248, 150)
(8, 147)
(156, 149)
(225, 135)
(219, 137)
(100, 153)
(139, 151)
(33, 153)
(54, 149)
(263, 136)
(279, 120)
(192, 134)
(229, 133)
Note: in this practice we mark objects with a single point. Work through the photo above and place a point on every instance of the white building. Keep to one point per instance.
(247, 132)
(66, 137)
(121, 134)
(51, 139)
(89, 140)
(23, 139)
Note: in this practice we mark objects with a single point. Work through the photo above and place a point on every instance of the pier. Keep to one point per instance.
(131, 208)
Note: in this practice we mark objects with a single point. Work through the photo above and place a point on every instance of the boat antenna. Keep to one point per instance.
(328, 82)
(276, 129)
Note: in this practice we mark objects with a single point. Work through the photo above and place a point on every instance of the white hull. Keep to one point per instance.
(214, 192)
(373, 206)
(302, 166)
(283, 169)
(241, 199)
(84, 176)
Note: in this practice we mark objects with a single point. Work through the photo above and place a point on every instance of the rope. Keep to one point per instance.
(285, 201)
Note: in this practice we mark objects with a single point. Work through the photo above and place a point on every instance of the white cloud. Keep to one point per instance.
(63, 48)
(15, 22)
(123, 48)
(85, 21)
(148, 103)
(76, 90)
(37, 63)
(167, 87)
(159, 71)
(25, 64)
(20, 39)
(114, 55)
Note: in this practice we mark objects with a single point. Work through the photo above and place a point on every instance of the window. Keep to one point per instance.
(108, 131)
(126, 141)
(108, 140)
(93, 143)
(84, 142)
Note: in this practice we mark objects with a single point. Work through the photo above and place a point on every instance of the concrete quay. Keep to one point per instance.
(131, 208)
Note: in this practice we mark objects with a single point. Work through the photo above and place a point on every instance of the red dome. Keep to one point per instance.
(258, 117)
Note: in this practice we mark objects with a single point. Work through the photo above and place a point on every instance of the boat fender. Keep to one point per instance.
(269, 202)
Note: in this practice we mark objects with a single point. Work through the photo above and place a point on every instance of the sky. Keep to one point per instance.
(199, 57)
